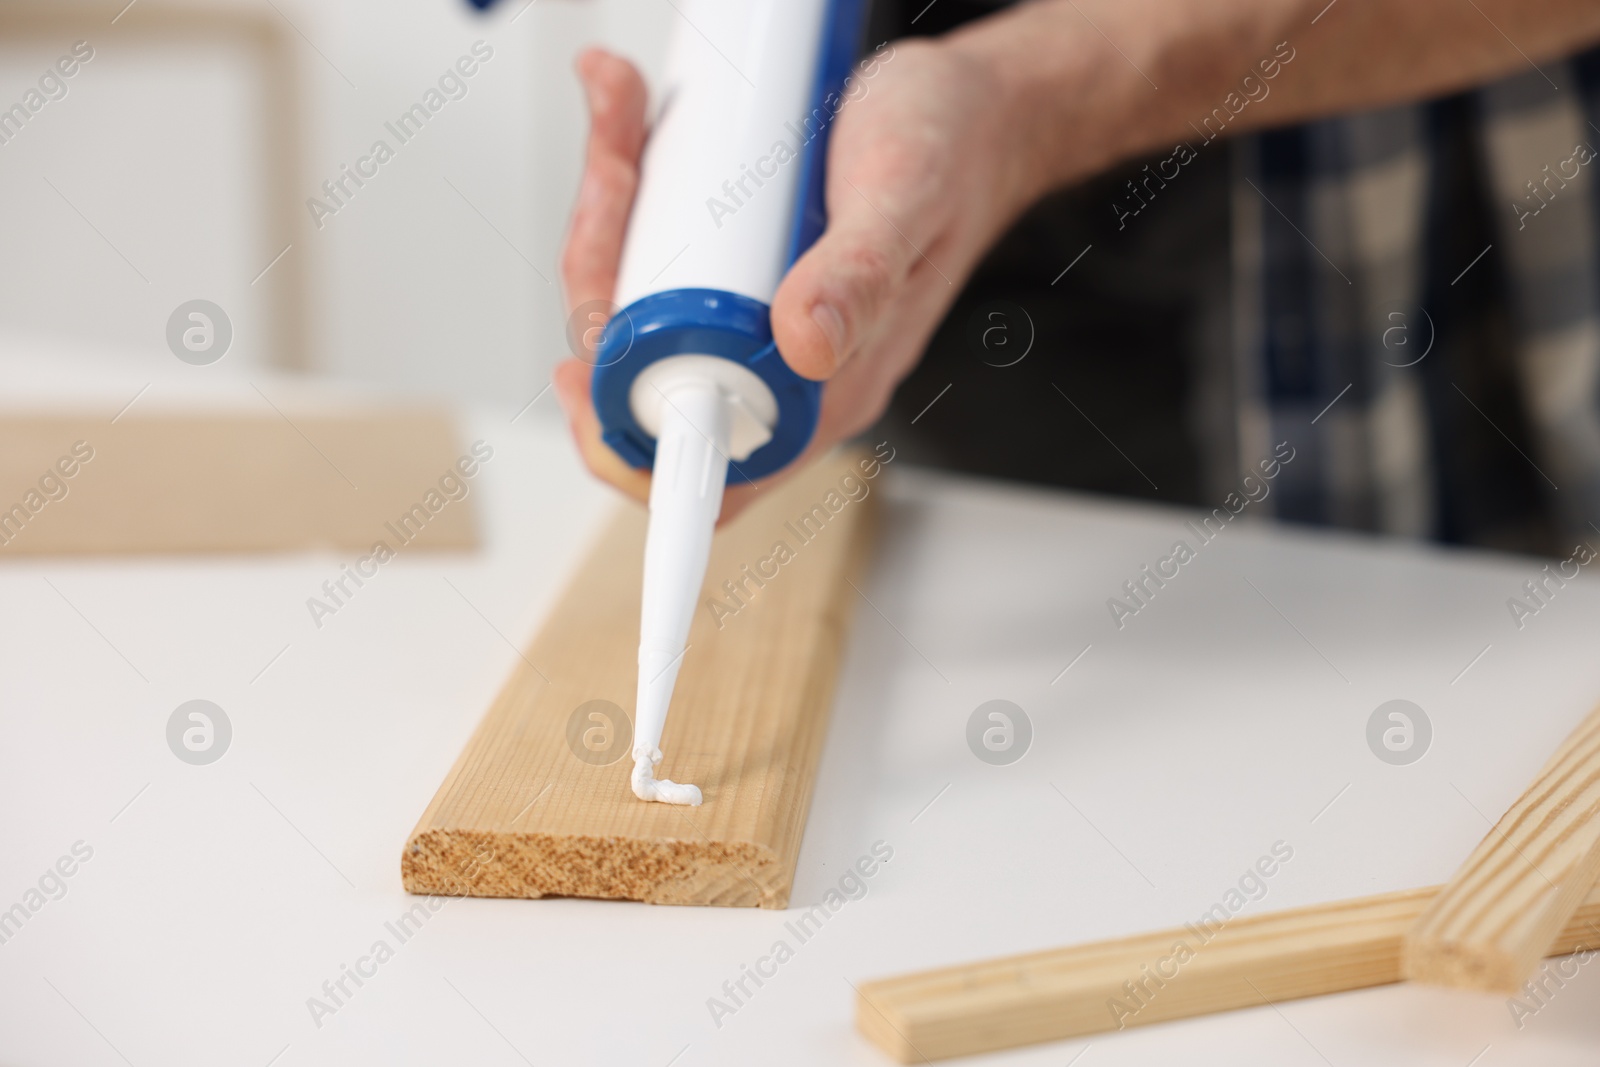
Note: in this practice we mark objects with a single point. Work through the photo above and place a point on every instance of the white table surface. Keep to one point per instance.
(1165, 762)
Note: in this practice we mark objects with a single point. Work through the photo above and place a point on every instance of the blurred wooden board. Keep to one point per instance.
(231, 482)
(1498, 914)
(529, 811)
(1134, 981)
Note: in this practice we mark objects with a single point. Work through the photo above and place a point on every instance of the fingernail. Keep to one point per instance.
(831, 323)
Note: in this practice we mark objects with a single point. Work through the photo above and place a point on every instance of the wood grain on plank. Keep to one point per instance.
(522, 814)
(1501, 911)
(1148, 978)
(246, 482)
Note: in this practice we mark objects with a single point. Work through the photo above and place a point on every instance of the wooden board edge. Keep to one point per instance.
(822, 683)
(994, 1019)
(203, 534)
(1489, 969)
(451, 863)
(1464, 938)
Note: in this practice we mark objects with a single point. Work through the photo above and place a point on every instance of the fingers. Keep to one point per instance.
(850, 292)
(616, 95)
(834, 297)
(571, 380)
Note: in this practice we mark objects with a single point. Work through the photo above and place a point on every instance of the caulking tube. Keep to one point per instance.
(687, 379)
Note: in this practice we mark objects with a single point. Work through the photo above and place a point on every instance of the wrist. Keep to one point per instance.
(1068, 103)
(1078, 87)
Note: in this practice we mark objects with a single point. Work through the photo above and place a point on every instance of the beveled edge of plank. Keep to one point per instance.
(481, 863)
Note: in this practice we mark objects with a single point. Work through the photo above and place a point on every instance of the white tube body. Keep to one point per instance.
(715, 206)
(716, 209)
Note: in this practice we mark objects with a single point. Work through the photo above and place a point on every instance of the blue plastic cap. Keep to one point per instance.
(706, 322)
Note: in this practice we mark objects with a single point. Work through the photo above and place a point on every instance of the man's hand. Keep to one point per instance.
(956, 136)
(921, 180)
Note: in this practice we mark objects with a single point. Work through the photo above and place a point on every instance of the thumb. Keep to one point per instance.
(833, 297)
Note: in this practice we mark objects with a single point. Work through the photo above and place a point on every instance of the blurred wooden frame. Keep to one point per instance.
(268, 35)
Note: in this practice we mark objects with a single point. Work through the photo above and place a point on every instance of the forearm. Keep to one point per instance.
(1085, 83)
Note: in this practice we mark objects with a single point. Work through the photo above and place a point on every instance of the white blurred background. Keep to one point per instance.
(151, 183)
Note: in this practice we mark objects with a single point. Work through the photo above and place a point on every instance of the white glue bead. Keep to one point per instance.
(646, 786)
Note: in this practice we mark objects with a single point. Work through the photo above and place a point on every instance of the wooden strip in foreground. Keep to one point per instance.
(1148, 978)
(244, 482)
(1499, 913)
(539, 802)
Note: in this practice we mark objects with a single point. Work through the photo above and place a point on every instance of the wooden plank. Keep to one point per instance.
(1134, 981)
(244, 482)
(1500, 912)
(529, 816)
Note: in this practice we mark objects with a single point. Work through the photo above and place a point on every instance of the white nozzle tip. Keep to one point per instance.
(646, 786)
